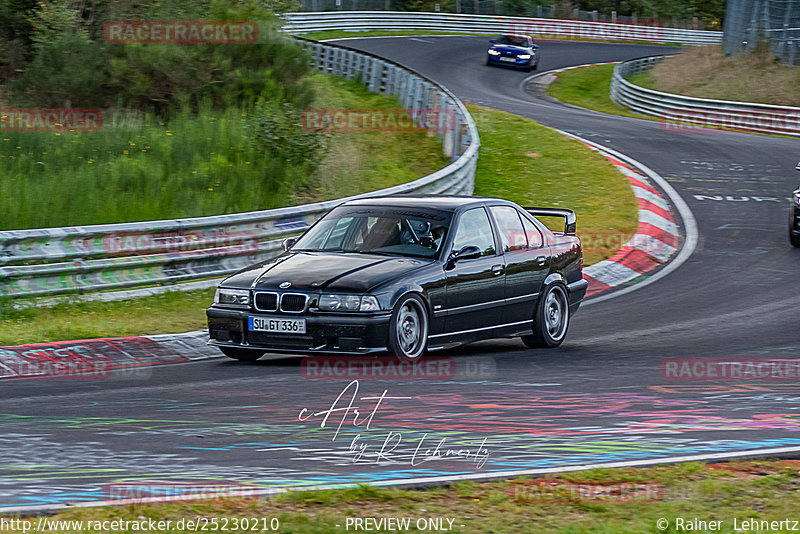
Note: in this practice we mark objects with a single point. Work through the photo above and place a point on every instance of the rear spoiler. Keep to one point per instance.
(570, 221)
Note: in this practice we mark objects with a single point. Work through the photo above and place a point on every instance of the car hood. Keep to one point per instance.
(310, 271)
(511, 49)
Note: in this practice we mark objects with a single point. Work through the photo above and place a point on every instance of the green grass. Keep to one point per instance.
(588, 87)
(197, 165)
(176, 311)
(355, 162)
(525, 162)
(763, 490)
(707, 72)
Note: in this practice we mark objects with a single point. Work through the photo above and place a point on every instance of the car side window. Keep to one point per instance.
(533, 234)
(474, 229)
(512, 234)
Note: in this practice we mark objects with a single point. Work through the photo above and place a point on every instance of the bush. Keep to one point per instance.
(66, 72)
(70, 65)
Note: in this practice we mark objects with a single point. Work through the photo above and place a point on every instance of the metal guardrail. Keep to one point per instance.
(300, 23)
(680, 112)
(54, 261)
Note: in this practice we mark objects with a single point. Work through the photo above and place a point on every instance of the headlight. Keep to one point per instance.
(348, 303)
(524, 56)
(232, 297)
(493, 52)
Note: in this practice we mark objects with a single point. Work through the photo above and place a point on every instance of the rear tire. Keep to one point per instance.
(408, 329)
(244, 355)
(551, 321)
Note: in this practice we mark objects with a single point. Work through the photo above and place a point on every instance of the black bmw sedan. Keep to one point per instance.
(406, 274)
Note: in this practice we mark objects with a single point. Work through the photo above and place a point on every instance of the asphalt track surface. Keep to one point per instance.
(602, 397)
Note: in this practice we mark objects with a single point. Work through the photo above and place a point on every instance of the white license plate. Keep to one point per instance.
(509, 59)
(277, 325)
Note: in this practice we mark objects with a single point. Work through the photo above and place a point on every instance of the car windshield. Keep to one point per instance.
(410, 232)
(515, 40)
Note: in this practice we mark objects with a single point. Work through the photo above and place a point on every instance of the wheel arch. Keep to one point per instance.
(554, 278)
(399, 292)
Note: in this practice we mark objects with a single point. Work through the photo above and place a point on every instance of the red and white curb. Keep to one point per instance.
(656, 240)
(659, 238)
(129, 357)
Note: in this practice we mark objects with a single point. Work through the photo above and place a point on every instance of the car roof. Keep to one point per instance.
(440, 202)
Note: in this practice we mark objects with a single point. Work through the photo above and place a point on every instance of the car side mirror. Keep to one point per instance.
(535, 46)
(470, 252)
(493, 41)
(798, 167)
(289, 243)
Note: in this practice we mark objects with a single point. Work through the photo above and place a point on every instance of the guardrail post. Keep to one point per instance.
(375, 76)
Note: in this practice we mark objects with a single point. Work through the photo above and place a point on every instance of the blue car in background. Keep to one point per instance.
(514, 51)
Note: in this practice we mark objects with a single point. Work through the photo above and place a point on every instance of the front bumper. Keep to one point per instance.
(328, 333)
(495, 60)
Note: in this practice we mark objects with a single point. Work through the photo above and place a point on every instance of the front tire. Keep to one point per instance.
(794, 239)
(244, 355)
(551, 321)
(408, 329)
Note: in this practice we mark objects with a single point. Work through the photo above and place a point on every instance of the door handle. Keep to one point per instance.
(497, 269)
(541, 260)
